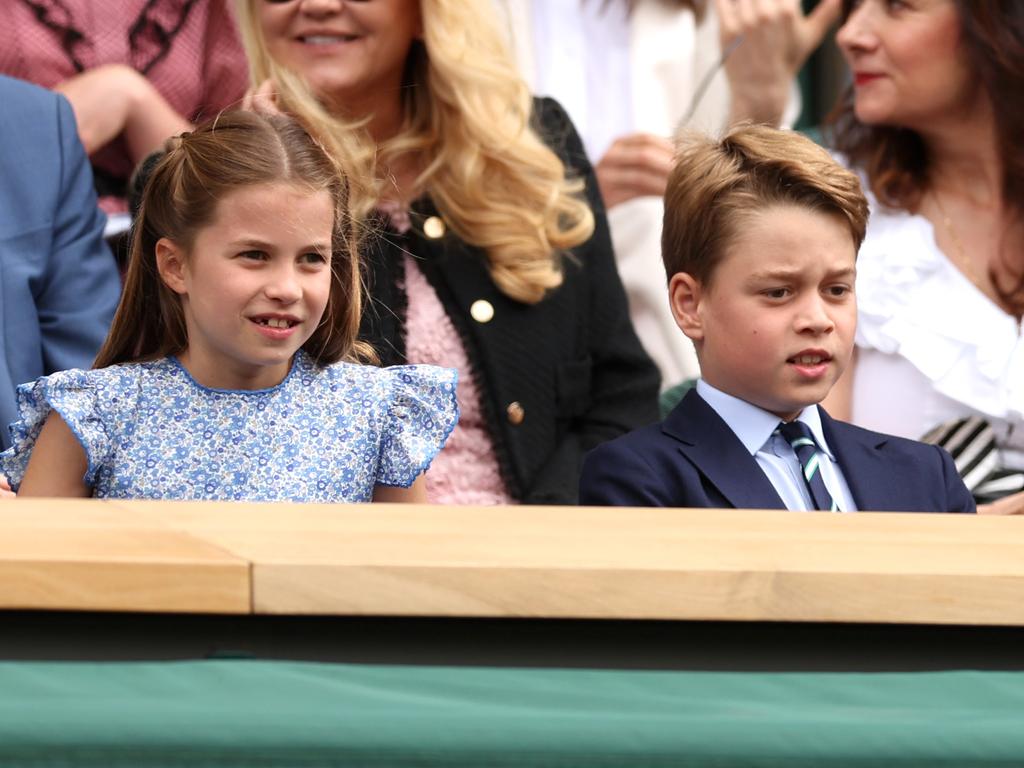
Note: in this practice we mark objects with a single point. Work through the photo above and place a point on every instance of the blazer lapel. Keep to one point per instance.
(711, 446)
(863, 463)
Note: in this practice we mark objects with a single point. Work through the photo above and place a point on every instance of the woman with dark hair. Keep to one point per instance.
(933, 121)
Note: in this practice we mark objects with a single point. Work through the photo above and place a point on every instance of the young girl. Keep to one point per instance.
(230, 371)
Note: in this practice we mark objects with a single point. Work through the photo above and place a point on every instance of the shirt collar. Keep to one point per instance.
(754, 426)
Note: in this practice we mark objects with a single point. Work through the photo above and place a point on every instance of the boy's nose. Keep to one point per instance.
(814, 317)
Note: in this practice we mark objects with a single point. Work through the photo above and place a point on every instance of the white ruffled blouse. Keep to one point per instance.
(931, 346)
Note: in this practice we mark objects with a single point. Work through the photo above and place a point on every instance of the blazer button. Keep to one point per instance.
(516, 413)
(434, 227)
(482, 311)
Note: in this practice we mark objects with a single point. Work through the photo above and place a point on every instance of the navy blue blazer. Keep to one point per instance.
(693, 459)
(58, 281)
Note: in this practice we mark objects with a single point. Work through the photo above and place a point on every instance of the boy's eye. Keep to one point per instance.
(839, 291)
(777, 293)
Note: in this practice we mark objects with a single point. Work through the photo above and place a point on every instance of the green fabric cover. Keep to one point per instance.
(260, 713)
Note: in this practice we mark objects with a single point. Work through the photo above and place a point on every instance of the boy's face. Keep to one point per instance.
(775, 327)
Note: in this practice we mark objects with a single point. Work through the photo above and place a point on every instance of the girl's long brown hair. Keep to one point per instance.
(896, 160)
(235, 150)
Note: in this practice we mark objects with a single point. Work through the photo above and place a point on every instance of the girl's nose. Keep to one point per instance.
(284, 285)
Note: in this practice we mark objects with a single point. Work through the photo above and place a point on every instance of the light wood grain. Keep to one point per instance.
(90, 555)
(618, 563)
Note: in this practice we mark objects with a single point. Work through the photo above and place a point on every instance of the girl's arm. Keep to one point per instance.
(58, 463)
(387, 494)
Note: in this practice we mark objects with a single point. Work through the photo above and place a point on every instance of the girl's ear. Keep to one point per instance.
(170, 263)
(685, 293)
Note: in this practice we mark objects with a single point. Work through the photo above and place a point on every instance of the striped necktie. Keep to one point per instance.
(799, 436)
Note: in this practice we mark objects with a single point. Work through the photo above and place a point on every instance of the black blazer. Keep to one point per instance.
(570, 366)
(693, 459)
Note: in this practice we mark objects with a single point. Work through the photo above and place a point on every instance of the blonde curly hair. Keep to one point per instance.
(466, 119)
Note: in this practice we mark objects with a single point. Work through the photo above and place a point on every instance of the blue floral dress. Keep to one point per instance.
(330, 434)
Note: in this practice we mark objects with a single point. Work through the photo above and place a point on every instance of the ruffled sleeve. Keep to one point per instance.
(915, 304)
(77, 396)
(421, 413)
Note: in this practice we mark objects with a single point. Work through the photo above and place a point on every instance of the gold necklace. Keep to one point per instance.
(960, 258)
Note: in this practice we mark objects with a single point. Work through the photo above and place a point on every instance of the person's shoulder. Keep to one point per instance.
(845, 432)
(548, 111)
(36, 126)
(18, 95)
(556, 129)
(342, 373)
(97, 377)
(643, 442)
(356, 380)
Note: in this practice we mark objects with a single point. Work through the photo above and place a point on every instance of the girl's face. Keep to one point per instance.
(254, 285)
(909, 67)
(352, 52)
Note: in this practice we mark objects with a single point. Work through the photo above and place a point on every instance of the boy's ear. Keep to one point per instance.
(685, 293)
(170, 263)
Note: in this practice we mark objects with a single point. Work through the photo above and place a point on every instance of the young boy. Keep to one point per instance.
(760, 244)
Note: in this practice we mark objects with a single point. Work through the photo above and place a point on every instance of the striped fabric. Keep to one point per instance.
(799, 436)
(971, 443)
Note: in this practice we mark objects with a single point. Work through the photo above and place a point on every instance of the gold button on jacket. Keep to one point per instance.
(516, 413)
(482, 311)
(434, 227)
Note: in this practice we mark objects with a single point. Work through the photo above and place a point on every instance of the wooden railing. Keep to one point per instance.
(408, 560)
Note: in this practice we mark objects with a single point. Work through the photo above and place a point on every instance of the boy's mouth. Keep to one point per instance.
(810, 358)
(811, 364)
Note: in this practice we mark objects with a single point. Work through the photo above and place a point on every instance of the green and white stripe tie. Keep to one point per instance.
(799, 436)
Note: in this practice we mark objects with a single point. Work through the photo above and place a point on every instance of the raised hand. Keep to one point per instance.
(635, 165)
(777, 37)
(262, 98)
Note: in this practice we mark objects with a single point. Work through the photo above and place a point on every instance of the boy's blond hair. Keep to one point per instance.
(717, 184)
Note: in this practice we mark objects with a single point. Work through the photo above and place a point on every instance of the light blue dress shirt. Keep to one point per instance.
(755, 429)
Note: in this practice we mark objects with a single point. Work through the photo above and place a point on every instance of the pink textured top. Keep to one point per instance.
(466, 470)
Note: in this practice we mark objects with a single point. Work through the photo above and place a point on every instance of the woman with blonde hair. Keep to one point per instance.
(489, 249)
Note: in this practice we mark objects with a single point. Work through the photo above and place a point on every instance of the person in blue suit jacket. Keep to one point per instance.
(760, 243)
(59, 285)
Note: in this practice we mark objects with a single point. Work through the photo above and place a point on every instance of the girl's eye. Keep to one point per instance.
(253, 255)
(314, 257)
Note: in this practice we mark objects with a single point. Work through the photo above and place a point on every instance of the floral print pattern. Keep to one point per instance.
(328, 434)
